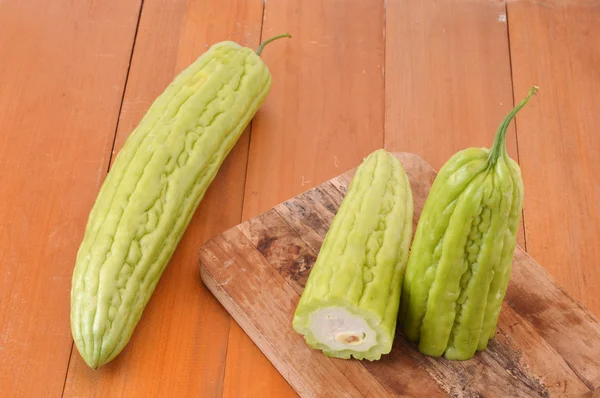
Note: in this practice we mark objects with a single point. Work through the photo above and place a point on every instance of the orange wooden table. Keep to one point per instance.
(429, 77)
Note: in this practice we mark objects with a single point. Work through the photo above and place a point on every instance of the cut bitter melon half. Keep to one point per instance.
(350, 303)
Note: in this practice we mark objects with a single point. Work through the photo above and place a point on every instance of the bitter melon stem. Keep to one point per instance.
(499, 146)
(264, 43)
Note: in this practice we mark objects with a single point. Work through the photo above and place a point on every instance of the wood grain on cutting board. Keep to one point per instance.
(546, 343)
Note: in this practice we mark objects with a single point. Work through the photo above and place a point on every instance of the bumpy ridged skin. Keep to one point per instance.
(461, 257)
(157, 181)
(362, 260)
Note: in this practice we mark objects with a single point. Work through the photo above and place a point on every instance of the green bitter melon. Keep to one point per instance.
(152, 190)
(461, 257)
(350, 304)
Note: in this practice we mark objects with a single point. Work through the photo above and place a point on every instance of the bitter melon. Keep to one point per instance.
(350, 304)
(461, 257)
(152, 190)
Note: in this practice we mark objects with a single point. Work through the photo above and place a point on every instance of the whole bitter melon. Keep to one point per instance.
(152, 190)
(461, 257)
(350, 304)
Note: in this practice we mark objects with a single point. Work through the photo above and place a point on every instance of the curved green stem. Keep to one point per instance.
(264, 43)
(499, 146)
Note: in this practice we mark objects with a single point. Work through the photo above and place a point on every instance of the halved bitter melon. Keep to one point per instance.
(350, 303)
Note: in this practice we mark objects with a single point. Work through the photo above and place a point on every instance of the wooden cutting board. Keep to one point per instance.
(547, 344)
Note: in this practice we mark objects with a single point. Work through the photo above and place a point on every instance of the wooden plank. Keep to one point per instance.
(180, 344)
(248, 373)
(322, 117)
(325, 113)
(448, 78)
(546, 344)
(62, 73)
(554, 45)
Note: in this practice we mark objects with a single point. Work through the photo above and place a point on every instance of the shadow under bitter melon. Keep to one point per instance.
(155, 185)
(460, 263)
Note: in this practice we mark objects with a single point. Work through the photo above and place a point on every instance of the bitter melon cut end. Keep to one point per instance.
(339, 332)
